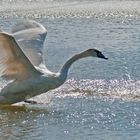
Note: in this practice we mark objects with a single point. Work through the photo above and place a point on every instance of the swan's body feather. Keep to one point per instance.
(18, 91)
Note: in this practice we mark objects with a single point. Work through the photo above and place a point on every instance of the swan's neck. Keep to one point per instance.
(66, 66)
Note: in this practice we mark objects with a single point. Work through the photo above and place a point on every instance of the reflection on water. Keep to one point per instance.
(72, 118)
(16, 122)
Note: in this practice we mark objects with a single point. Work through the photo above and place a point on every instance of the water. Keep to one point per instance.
(101, 99)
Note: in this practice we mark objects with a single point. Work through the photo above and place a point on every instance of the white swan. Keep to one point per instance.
(24, 66)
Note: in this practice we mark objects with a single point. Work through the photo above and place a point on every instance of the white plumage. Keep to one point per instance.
(21, 61)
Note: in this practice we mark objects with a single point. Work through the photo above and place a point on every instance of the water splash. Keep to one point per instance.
(113, 89)
(126, 90)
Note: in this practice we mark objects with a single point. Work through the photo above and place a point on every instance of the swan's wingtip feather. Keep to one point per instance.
(30, 36)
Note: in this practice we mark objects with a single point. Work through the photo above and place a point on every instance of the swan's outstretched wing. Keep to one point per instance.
(13, 63)
(30, 35)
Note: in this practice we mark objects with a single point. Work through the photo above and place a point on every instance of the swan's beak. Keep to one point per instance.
(100, 55)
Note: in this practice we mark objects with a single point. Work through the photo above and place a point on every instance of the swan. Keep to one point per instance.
(21, 63)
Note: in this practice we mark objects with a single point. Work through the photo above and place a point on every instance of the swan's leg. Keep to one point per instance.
(30, 102)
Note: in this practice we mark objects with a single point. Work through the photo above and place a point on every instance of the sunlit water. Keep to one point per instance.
(101, 99)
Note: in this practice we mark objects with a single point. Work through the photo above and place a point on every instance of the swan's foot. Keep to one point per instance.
(30, 102)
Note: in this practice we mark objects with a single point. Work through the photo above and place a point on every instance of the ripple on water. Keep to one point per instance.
(50, 8)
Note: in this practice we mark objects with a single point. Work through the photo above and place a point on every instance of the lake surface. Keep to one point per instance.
(101, 99)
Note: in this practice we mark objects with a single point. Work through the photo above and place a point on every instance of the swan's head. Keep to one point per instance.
(96, 53)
